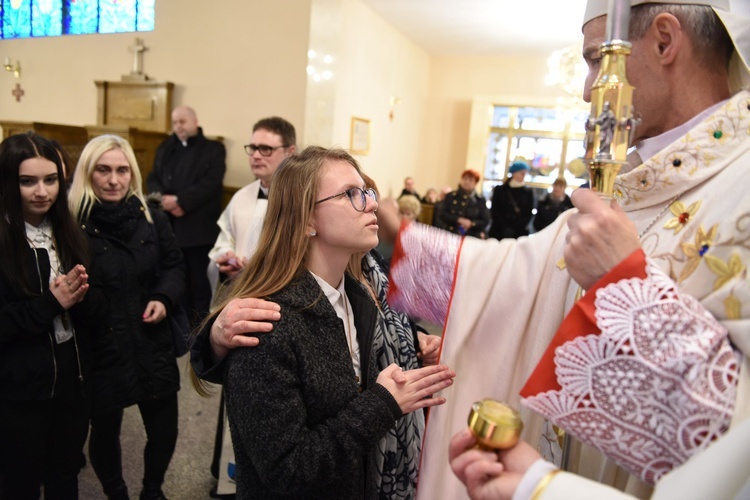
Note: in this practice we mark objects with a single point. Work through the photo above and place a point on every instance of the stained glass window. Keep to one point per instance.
(32, 18)
(548, 139)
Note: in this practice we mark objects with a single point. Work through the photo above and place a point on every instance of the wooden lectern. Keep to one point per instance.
(144, 105)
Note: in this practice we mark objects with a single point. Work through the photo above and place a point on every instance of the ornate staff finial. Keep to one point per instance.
(611, 123)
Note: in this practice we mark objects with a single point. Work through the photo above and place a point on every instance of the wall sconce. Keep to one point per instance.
(393, 101)
(14, 68)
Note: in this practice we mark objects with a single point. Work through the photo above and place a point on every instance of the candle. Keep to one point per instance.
(7, 61)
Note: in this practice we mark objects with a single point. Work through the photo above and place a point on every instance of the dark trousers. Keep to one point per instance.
(160, 420)
(41, 441)
(197, 298)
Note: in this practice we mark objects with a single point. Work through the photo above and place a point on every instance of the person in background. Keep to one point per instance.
(431, 197)
(273, 140)
(512, 204)
(410, 207)
(46, 325)
(310, 412)
(444, 191)
(409, 188)
(464, 211)
(140, 268)
(552, 205)
(188, 172)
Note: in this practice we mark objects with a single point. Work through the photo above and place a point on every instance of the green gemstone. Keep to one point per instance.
(718, 134)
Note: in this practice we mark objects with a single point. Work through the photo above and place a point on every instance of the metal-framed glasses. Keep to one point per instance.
(264, 150)
(357, 196)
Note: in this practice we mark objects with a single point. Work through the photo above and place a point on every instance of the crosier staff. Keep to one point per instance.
(611, 122)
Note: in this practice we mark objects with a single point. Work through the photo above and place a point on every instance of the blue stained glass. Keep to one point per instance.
(81, 17)
(145, 19)
(116, 16)
(16, 18)
(25, 18)
(46, 18)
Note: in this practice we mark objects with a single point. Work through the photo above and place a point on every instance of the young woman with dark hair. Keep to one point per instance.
(44, 349)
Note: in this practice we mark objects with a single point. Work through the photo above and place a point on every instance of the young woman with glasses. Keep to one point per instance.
(308, 408)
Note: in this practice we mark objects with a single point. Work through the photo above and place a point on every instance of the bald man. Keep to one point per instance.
(189, 173)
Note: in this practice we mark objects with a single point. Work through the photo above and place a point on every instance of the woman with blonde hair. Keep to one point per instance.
(308, 408)
(140, 269)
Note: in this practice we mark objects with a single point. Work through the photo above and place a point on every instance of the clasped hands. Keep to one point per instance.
(69, 289)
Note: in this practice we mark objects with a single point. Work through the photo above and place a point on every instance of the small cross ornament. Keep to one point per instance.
(18, 92)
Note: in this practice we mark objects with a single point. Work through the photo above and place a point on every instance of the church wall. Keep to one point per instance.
(234, 61)
(391, 75)
(377, 70)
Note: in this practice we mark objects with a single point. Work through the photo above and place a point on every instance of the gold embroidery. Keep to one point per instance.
(681, 214)
(724, 270)
(733, 307)
(695, 251)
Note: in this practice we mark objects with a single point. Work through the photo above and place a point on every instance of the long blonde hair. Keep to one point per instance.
(284, 245)
(82, 197)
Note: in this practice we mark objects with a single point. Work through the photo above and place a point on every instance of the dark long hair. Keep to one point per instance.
(70, 241)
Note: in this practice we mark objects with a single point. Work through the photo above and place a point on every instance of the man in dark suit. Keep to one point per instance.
(189, 173)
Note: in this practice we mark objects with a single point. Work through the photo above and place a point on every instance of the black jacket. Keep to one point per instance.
(300, 427)
(134, 361)
(195, 174)
(511, 211)
(549, 210)
(28, 367)
(471, 206)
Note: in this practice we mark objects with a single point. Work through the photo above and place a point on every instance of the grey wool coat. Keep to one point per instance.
(301, 428)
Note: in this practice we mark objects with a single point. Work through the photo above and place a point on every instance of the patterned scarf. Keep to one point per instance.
(398, 452)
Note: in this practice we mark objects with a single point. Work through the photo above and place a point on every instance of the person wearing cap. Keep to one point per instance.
(512, 204)
(666, 310)
(464, 211)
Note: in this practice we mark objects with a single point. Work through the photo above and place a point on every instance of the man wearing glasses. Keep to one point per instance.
(273, 140)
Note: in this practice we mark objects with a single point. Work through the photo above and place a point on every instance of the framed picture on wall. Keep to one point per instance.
(360, 136)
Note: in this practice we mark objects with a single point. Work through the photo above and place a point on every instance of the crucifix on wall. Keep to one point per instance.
(137, 74)
(18, 92)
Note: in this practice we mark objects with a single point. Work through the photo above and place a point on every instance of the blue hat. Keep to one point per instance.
(518, 165)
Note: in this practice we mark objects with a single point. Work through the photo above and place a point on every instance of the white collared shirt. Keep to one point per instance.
(41, 237)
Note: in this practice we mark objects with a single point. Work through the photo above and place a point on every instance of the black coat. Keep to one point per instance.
(28, 368)
(134, 361)
(300, 427)
(549, 210)
(195, 174)
(471, 206)
(511, 211)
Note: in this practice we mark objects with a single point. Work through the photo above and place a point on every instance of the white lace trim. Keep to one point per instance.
(657, 386)
(423, 277)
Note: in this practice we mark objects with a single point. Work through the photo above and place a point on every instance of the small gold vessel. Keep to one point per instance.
(495, 425)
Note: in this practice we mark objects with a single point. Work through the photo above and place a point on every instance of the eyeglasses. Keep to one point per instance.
(356, 196)
(264, 150)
